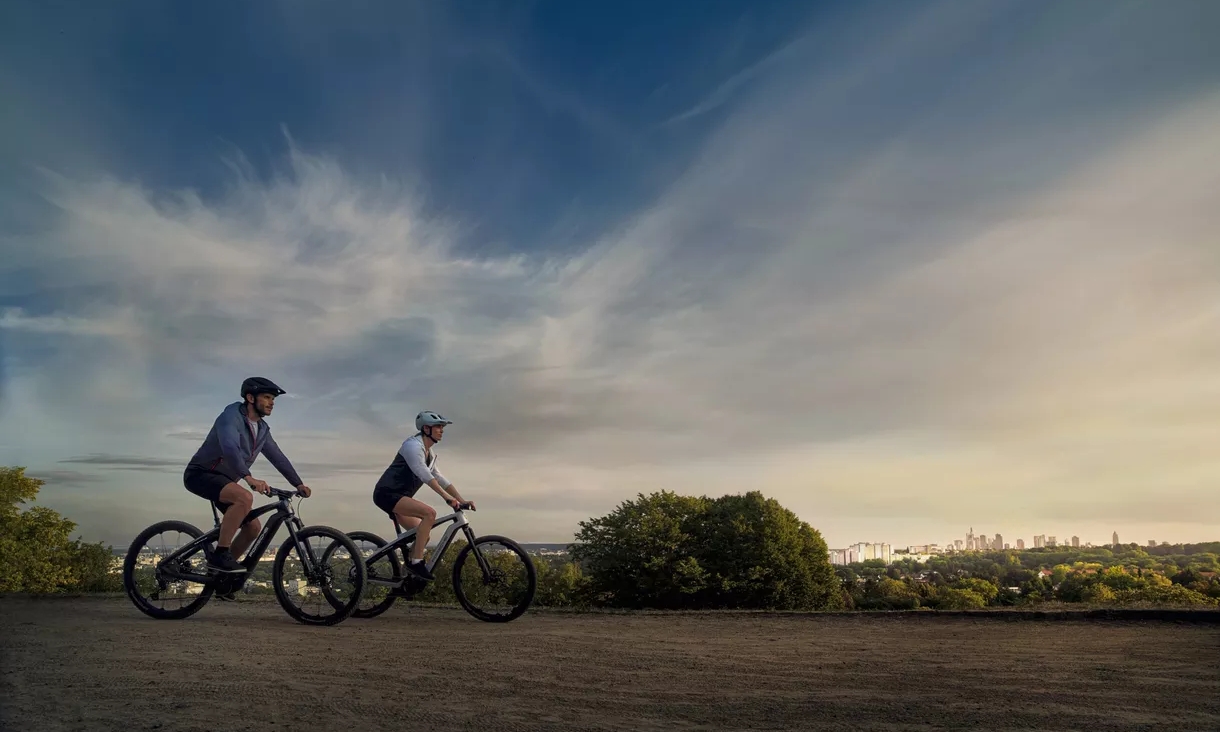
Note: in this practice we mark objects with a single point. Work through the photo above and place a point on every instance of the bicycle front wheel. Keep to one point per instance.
(494, 579)
(329, 589)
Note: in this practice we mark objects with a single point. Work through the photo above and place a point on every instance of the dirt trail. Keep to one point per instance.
(98, 664)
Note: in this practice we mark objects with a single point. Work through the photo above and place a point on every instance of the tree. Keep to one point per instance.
(641, 554)
(950, 598)
(1187, 577)
(560, 584)
(94, 568)
(1118, 578)
(890, 594)
(736, 551)
(980, 587)
(36, 554)
(758, 554)
(1097, 594)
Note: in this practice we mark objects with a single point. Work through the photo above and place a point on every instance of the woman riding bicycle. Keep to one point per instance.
(414, 465)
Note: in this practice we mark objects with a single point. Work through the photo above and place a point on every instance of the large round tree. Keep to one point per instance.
(677, 552)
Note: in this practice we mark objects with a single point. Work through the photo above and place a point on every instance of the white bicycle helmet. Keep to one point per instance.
(428, 418)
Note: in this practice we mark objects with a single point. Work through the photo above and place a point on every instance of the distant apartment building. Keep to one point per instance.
(958, 544)
(1075, 542)
(1039, 541)
(1114, 539)
(1020, 544)
(861, 552)
(998, 544)
(1051, 541)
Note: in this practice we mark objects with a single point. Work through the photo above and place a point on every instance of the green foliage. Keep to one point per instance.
(560, 584)
(1160, 594)
(953, 598)
(887, 594)
(980, 587)
(736, 551)
(95, 568)
(631, 556)
(1094, 575)
(36, 554)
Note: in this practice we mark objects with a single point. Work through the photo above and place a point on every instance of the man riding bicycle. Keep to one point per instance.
(237, 437)
(414, 465)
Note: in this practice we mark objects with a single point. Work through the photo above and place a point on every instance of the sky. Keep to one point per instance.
(909, 269)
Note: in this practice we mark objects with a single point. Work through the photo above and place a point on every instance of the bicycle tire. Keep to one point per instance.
(531, 574)
(129, 566)
(387, 603)
(277, 575)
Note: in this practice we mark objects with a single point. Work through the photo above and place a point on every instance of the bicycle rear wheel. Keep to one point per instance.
(377, 597)
(145, 581)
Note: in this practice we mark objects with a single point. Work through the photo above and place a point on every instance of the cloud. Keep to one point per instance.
(860, 303)
(75, 478)
(127, 462)
(16, 319)
(164, 465)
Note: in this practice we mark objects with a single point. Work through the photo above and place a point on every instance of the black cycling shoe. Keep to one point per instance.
(224, 563)
(419, 569)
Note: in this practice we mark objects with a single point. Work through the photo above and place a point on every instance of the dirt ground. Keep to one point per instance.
(97, 664)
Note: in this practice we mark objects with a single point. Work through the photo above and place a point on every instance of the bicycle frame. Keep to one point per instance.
(460, 523)
(284, 515)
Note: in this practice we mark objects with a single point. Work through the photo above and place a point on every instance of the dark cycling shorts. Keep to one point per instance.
(387, 498)
(206, 484)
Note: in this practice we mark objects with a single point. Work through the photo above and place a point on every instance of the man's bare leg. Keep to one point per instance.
(246, 537)
(241, 501)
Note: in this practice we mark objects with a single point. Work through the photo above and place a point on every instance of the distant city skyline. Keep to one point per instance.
(885, 551)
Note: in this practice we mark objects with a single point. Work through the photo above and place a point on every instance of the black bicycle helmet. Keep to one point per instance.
(258, 385)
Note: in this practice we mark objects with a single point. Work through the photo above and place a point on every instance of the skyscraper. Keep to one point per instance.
(1075, 542)
(1115, 538)
(1020, 544)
